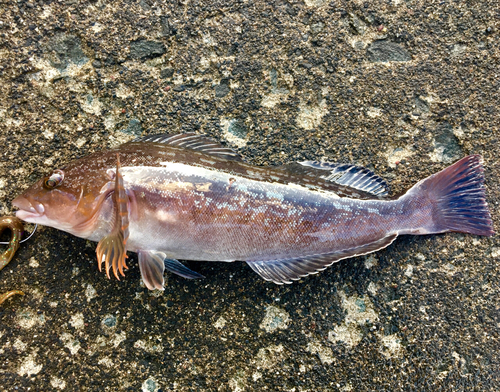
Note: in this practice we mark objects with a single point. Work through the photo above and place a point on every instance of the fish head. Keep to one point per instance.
(69, 198)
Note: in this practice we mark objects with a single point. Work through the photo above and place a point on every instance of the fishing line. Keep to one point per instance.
(26, 239)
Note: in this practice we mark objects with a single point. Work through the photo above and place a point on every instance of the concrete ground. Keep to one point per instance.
(402, 87)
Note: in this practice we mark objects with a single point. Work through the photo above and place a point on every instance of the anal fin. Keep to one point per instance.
(287, 270)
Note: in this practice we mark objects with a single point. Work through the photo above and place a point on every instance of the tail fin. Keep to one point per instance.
(458, 195)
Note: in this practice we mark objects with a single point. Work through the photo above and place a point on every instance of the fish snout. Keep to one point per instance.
(27, 209)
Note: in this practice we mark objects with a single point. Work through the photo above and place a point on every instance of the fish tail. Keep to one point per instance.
(458, 199)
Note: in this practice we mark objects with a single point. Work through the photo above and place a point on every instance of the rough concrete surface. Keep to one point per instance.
(402, 87)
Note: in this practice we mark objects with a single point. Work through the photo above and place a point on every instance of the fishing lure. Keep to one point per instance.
(16, 227)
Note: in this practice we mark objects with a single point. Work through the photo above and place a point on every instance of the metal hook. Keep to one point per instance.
(26, 239)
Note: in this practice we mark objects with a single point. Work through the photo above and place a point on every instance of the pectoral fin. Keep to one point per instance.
(112, 250)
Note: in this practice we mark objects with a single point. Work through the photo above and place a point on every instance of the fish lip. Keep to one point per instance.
(27, 210)
(27, 216)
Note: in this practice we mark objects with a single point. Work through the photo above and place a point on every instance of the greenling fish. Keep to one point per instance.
(185, 197)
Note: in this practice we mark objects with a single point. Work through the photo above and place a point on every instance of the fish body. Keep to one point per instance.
(185, 197)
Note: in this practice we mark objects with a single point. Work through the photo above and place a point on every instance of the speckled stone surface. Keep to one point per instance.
(402, 87)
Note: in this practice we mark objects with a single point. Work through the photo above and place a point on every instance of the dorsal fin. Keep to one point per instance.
(288, 270)
(356, 177)
(193, 141)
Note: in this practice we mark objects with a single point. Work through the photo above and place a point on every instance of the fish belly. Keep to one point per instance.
(193, 213)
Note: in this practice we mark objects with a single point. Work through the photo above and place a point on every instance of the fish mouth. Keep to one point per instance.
(28, 211)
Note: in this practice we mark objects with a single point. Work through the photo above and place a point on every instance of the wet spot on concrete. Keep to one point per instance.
(109, 321)
(150, 385)
(64, 49)
(386, 51)
(134, 128)
(222, 89)
(144, 49)
(446, 147)
(234, 131)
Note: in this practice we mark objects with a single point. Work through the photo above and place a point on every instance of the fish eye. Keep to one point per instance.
(54, 180)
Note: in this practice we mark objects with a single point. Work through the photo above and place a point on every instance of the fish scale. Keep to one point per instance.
(186, 197)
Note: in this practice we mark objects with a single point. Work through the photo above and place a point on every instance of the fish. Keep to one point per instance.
(16, 229)
(172, 197)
